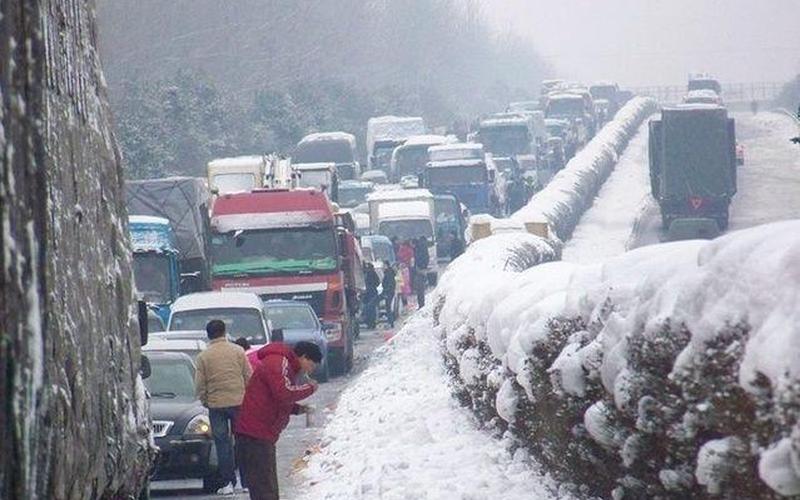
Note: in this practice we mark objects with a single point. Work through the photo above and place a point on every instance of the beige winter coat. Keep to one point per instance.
(222, 374)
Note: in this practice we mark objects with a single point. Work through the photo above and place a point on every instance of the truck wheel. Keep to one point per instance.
(336, 362)
(349, 356)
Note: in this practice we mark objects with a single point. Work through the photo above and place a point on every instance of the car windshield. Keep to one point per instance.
(383, 157)
(274, 251)
(151, 272)
(353, 196)
(170, 378)
(292, 317)
(506, 141)
(406, 229)
(320, 179)
(323, 151)
(239, 322)
(565, 107)
(446, 211)
(452, 176)
(381, 250)
(232, 183)
(411, 160)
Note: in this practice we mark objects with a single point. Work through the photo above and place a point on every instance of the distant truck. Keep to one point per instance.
(410, 158)
(322, 176)
(241, 173)
(384, 133)
(184, 201)
(156, 270)
(285, 244)
(338, 148)
(450, 224)
(406, 214)
(606, 97)
(513, 135)
(464, 170)
(693, 164)
(704, 82)
(571, 107)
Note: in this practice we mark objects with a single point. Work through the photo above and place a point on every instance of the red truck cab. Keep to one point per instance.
(284, 244)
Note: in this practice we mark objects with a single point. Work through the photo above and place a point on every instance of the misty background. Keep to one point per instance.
(193, 80)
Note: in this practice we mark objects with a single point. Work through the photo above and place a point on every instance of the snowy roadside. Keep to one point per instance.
(398, 433)
(606, 228)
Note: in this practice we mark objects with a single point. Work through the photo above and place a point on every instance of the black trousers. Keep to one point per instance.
(259, 465)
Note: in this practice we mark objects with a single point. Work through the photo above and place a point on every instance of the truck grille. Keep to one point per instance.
(315, 299)
(161, 427)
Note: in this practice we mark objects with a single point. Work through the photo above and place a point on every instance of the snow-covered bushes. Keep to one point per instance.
(669, 371)
(572, 190)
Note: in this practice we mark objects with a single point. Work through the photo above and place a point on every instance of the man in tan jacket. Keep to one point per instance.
(221, 377)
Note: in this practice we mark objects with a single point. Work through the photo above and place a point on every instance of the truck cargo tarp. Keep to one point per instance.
(697, 152)
(181, 200)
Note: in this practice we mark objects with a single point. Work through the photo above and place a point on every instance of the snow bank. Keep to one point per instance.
(400, 434)
(671, 368)
(573, 189)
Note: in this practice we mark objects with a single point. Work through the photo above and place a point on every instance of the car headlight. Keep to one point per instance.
(198, 426)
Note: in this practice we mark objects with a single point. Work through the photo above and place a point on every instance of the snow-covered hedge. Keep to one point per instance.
(572, 190)
(670, 371)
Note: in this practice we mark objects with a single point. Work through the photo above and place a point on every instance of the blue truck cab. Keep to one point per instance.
(155, 262)
(462, 170)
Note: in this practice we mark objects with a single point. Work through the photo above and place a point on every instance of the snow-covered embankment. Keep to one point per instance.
(668, 370)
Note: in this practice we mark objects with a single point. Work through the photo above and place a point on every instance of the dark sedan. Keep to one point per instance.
(181, 427)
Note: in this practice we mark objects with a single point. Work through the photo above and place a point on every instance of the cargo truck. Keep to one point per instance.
(156, 270)
(693, 166)
(285, 244)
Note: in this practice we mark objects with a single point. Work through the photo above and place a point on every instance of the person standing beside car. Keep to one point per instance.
(389, 285)
(220, 380)
(271, 397)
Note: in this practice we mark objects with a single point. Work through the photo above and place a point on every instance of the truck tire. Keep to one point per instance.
(348, 365)
(336, 362)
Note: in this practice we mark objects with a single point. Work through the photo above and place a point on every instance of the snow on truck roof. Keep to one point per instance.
(427, 139)
(400, 195)
(217, 300)
(505, 121)
(460, 146)
(330, 136)
(314, 166)
(271, 209)
(148, 219)
(565, 96)
(237, 161)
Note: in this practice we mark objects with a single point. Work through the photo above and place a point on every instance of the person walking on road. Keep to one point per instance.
(372, 281)
(421, 257)
(389, 285)
(220, 380)
(271, 397)
(421, 263)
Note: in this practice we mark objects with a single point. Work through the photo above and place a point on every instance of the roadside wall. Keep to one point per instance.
(73, 420)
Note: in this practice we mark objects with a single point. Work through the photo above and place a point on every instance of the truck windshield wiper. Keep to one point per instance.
(165, 395)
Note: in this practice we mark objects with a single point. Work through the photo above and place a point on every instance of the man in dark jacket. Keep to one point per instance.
(271, 396)
(389, 285)
(421, 258)
(372, 281)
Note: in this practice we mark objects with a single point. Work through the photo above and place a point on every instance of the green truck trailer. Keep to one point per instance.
(693, 168)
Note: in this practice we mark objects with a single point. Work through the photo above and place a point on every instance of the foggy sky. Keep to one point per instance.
(641, 42)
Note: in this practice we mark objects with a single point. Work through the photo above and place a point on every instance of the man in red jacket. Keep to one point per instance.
(271, 396)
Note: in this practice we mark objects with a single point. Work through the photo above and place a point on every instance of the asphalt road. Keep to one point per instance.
(297, 438)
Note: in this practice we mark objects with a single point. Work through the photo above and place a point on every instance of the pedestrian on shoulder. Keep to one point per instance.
(389, 285)
(271, 397)
(421, 257)
(372, 281)
(220, 380)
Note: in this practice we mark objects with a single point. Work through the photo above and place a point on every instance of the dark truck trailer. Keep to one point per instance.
(184, 202)
(693, 164)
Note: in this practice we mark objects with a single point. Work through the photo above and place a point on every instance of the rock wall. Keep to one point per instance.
(73, 419)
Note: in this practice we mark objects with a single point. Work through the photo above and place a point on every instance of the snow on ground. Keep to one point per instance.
(398, 433)
(769, 181)
(606, 228)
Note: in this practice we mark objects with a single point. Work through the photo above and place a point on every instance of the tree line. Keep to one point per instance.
(191, 80)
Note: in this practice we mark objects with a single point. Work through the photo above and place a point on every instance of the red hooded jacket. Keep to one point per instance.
(271, 395)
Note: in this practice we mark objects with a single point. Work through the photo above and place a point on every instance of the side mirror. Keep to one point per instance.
(142, 317)
(215, 191)
(145, 370)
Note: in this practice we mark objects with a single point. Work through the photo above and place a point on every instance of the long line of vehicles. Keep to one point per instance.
(271, 244)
